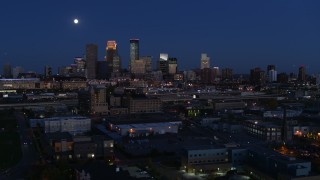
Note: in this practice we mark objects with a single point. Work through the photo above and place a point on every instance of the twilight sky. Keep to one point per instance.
(240, 34)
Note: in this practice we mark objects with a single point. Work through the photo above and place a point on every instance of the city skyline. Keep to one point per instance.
(253, 33)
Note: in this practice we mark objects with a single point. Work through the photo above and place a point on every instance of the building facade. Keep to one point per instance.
(91, 60)
(205, 61)
(134, 51)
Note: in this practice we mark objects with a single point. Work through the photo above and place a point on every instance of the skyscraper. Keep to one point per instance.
(7, 72)
(80, 66)
(302, 74)
(91, 60)
(111, 53)
(148, 63)
(227, 74)
(272, 73)
(163, 63)
(134, 51)
(111, 50)
(172, 65)
(47, 71)
(205, 61)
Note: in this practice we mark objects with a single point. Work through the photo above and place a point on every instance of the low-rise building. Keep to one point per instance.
(263, 130)
(263, 160)
(72, 124)
(143, 104)
(205, 158)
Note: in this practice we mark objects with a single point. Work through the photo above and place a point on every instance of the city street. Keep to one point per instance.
(29, 154)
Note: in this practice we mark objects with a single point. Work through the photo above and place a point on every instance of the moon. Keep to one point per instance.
(75, 21)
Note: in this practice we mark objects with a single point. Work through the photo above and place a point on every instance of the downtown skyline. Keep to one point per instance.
(237, 35)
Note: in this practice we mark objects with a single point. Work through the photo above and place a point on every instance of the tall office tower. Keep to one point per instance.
(227, 74)
(206, 75)
(7, 72)
(138, 67)
(205, 61)
(302, 74)
(148, 62)
(172, 65)
(134, 51)
(163, 63)
(272, 75)
(257, 76)
(16, 71)
(80, 67)
(272, 68)
(47, 71)
(216, 73)
(116, 64)
(111, 52)
(91, 60)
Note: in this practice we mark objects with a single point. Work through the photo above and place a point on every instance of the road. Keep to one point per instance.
(29, 153)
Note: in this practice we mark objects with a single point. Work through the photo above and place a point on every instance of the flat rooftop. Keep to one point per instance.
(141, 118)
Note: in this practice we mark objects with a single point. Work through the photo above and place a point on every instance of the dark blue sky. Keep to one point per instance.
(240, 34)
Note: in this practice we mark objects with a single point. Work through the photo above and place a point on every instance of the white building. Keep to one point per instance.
(205, 61)
(146, 129)
(73, 124)
(273, 75)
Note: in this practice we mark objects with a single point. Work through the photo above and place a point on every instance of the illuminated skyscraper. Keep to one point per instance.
(163, 63)
(91, 60)
(112, 58)
(205, 61)
(111, 50)
(172, 65)
(134, 51)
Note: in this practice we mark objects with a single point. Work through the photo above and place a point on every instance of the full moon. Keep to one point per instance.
(76, 21)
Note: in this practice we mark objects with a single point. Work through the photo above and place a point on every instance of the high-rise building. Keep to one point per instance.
(80, 64)
(206, 75)
(272, 75)
(257, 76)
(111, 50)
(148, 63)
(163, 63)
(47, 71)
(7, 72)
(16, 71)
(227, 74)
(111, 55)
(91, 60)
(205, 61)
(302, 74)
(172, 65)
(134, 51)
(138, 67)
(216, 73)
(116, 67)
